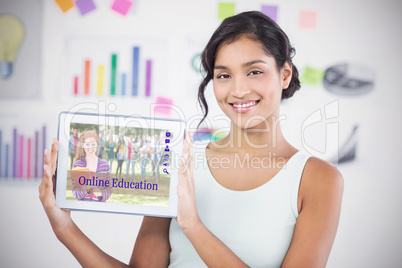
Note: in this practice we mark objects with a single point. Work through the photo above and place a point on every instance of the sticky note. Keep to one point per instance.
(226, 10)
(307, 19)
(163, 105)
(122, 6)
(312, 76)
(65, 5)
(270, 11)
(85, 6)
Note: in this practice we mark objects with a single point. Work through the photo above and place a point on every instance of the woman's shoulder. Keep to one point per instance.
(102, 163)
(321, 177)
(81, 162)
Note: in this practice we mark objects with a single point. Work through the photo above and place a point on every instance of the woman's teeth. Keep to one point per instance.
(245, 104)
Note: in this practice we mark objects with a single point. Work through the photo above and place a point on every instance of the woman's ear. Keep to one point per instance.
(286, 75)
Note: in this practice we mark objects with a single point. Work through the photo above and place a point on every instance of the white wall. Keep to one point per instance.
(367, 32)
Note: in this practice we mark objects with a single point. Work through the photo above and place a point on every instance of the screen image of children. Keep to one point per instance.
(87, 156)
(137, 153)
(249, 199)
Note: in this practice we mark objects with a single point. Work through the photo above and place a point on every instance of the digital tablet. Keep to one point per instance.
(117, 163)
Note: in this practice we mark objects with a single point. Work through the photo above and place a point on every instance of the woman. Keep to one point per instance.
(232, 215)
(87, 157)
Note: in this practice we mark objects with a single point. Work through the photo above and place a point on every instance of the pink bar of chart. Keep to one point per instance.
(29, 159)
(148, 77)
(36, 155)
(21, 164)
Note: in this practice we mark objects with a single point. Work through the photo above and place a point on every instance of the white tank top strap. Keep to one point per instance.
(296, 168)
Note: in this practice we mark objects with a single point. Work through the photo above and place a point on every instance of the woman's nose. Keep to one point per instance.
(240, 87)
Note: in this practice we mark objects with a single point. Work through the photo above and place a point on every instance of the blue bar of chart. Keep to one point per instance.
(136, 58)
(123, 84)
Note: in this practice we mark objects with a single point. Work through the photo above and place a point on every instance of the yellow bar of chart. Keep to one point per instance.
(100, 84)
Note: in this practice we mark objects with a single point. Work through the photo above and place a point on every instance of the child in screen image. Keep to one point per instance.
(156, 150)
(87, 157)
(101, 145)
(120, 154)
(144, 155)
(110, 145)
(254, 214)
(130, 153)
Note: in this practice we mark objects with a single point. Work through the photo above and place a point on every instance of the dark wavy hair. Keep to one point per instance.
(256, 26)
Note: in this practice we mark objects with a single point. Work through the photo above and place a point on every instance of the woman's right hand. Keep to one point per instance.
(59, 218)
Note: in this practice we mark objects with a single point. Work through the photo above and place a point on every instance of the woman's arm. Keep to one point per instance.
(152, 247)
(83, 249)
(321, 193)
(212, 251)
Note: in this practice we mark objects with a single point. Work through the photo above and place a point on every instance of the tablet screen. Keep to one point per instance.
(118, 167)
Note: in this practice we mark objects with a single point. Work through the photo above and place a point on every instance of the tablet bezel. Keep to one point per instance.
(175, 126)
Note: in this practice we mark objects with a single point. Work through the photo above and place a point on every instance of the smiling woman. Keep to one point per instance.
(86, 157)
(283, 214)
(254, 200)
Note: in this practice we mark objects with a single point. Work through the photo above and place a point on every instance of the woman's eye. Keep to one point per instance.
(254, 73)
(223, 76)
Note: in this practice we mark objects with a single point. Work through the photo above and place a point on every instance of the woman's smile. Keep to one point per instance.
(245, 106)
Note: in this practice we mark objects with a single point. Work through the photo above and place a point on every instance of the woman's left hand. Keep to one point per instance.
(187, 214)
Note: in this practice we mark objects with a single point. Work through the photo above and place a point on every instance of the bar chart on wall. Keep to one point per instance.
(115, 67)
(21, 153)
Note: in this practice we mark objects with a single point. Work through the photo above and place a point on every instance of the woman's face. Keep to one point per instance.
(247, 84)
(90, 146)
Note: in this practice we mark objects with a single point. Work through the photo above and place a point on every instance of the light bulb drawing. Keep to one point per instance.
(11, 36)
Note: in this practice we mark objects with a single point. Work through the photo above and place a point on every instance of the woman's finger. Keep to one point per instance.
(55, 147)
(47, 178)
(47, 157)
(46, 187)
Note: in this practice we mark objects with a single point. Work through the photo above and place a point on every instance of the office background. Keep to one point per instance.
(81, 58)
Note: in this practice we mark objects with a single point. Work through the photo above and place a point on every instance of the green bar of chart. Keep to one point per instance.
(113, 75)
